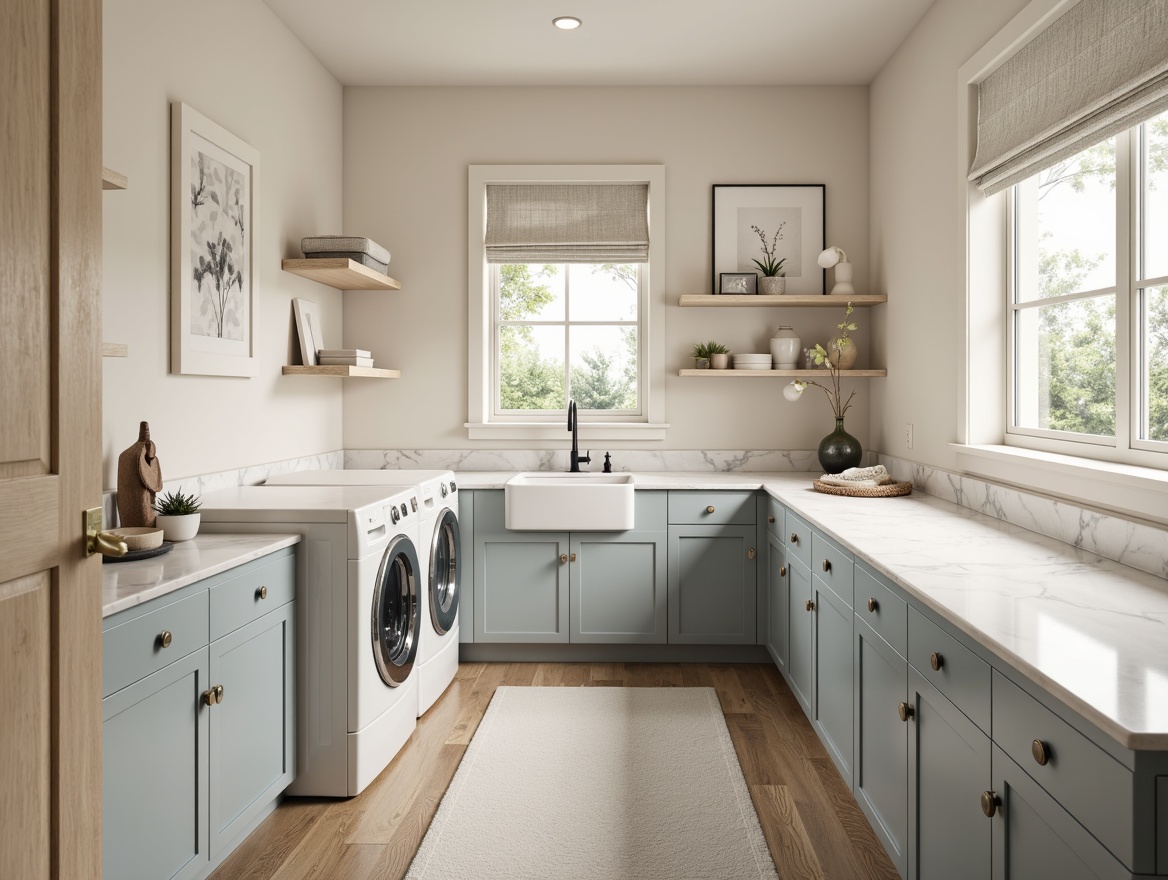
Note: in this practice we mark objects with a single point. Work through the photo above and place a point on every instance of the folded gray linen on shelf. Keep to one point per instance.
(364, 259)
(860, 478)
(338, 244)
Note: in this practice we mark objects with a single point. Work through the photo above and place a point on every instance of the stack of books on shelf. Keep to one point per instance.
(353, 357)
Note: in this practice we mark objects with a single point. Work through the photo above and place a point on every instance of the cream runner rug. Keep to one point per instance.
(609, 783)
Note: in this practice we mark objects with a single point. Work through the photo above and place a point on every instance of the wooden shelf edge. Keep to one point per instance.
(111, 179)
(115, 350)
(342, 371)
(793, 374)
(341, 273)
(751, 301)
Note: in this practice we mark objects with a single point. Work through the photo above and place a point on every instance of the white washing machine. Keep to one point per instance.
(359, 621)
(440, 550)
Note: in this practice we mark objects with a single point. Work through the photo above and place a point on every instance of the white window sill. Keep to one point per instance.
(1125, 488)
(558, 431)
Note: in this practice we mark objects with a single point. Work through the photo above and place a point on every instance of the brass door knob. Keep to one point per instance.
(782, 571)
(1041, 752)
(810, 606)
(563, 558)
(936, 661)
(872, 606)
(827, 565)
(905, 711)
(218, 694)
(794, 538)
(165, 638)
(262, 592)
(710, 509)
(990, 803)
(209, 697)
(750, 553)
(770, 519)
(572, 557)
(108, 544)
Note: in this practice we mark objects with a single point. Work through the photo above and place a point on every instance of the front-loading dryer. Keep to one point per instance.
(359, 621)
(440, 553)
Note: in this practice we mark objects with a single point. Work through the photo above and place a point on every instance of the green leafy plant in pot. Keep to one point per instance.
(178, 516)
(839, 450)
(773, 281)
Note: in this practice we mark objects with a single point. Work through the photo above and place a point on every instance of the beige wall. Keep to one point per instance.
(917, 240)
(234, 62)
(405, 181)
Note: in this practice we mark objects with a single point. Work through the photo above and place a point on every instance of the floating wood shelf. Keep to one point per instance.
(115, 350)
(752, 301)
(111, 179)
(792, 374)
(341, 273)
(343, 371)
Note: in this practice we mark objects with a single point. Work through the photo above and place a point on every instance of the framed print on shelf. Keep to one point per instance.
(308, 330)
(214, 288)
(738, 282)
(770, 220)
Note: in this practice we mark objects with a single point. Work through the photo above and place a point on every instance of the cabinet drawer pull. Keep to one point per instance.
(782, 571)
(710, 509)
(872, 606)
(750, 553)
(810, 606)
(572, 557)
(262, 592)
(905, 711)
(563, 559)
(218, 694)
(990, 803)
(936, 661)
(1041, 752)
(209, 697)
(770, 519)
(827, 565)
(794, 538)
(165, 638)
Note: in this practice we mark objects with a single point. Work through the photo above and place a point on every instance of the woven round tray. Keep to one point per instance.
(889, 491)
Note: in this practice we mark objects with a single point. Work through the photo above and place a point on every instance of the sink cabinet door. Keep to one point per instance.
(778, 604)
(712, 591)
(618, 587)
(154, 786)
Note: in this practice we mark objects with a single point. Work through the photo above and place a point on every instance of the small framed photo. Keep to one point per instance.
(308, 329)
(738, 282)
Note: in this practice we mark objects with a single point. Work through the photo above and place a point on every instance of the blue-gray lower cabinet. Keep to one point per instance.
(712, 586)
(833, 676)
(520, 586)
(778, 603)
(801, 626)
(466, 565)
(617, 587)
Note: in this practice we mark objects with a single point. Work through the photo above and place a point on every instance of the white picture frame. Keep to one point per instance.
(308, 330)
(214, 279)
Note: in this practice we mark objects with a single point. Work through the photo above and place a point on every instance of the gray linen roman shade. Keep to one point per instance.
(567, 223)
(1100, 68)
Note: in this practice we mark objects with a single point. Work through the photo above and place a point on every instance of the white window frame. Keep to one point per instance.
(987, 447)
(483, 422)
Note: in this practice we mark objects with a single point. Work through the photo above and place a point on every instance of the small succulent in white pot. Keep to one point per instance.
(178, 516)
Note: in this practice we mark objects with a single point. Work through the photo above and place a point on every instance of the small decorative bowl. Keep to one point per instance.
(139, 537)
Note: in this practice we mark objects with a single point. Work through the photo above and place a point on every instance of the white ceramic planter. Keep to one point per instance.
(179, 528)
(785, 346)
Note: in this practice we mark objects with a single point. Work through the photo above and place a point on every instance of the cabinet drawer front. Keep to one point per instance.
(135, 649)
(1093, 787)
(882, 609)
(962, 676)
(797, 539)
(776, 517)
(832, 565)
(711, 508)
(238, 601)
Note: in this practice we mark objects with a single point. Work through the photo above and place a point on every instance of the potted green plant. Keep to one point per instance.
(701, 355)
(772, 282)
(178, 516)
(719, 355)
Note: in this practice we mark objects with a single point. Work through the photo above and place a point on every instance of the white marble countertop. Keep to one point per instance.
(696, 480)
(126, 584)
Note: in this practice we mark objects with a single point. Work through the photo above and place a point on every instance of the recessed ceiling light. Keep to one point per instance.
(566, 22)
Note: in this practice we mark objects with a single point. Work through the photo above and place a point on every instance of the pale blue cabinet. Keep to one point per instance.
(617, 587)
(520, 584)
(778, 603)
(466, 566)
(801, 623)
(712, 590)
(832, 714)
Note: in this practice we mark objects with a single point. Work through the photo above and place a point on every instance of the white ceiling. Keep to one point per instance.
(622, 42)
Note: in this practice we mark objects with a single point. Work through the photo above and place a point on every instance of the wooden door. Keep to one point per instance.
(50, 422)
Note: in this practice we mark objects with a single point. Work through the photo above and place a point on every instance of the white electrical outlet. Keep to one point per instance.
(908, 435)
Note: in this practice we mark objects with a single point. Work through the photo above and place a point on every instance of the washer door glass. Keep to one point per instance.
(396, 612)
(443, 587)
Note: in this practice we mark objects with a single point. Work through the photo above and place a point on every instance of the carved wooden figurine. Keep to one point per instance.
(139, 479)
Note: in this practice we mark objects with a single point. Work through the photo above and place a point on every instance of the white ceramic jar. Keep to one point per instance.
(785, 346)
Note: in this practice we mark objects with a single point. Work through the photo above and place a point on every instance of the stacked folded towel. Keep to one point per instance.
(860, 478)
(363, 250)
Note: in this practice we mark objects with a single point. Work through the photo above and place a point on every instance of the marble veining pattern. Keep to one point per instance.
(126, 584)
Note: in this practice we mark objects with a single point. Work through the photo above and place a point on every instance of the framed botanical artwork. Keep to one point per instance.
(213, 275)
(737, 282)
(769, 223)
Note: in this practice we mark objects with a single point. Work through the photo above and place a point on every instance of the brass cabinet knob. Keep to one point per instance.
(827, 565)
(770, 519)
(936, 661)
(872, 606)
(905, 711)
(572, 557)
(563, 558)
(810, 606)
(262, 592)
(218, 694)
(750, 553)
(782, 571)
(990, 803)
(794, 538)
(710, 509)
(165, 638)
(1041, 752)
(209, 697)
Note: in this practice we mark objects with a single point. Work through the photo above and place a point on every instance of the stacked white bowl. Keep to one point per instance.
(752, 361)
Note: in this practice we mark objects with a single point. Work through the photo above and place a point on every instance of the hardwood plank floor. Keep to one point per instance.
(811, 821)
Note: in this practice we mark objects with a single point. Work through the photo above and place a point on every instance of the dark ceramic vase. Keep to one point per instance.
(839, 450)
